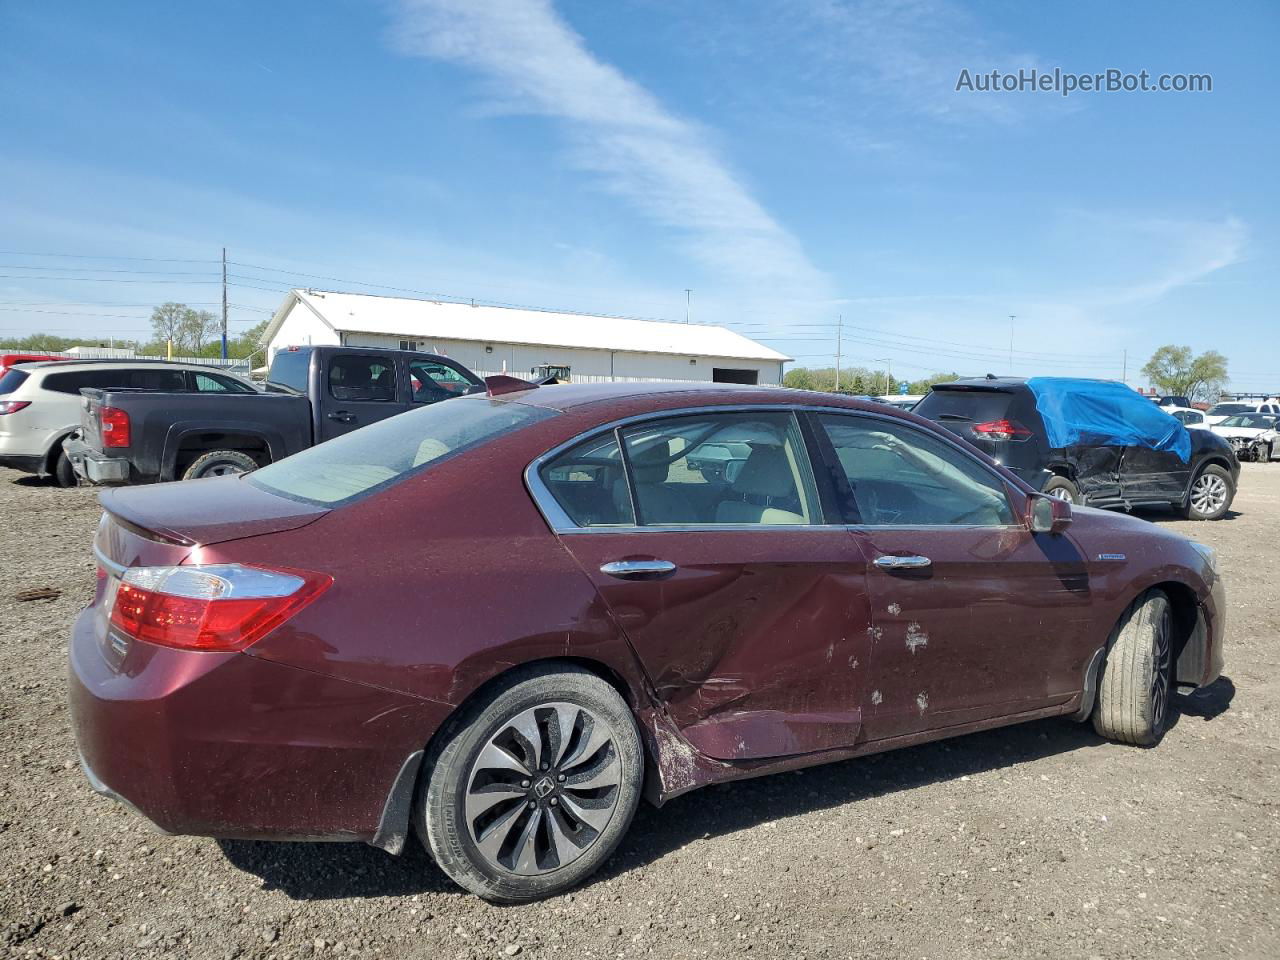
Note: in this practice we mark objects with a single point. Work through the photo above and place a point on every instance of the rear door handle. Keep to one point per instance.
(342, 416)
(902, 563)
(639, 569)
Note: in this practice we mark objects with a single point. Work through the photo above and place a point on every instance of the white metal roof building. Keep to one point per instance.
(493, 340)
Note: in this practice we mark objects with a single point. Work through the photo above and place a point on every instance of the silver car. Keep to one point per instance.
(40, 403)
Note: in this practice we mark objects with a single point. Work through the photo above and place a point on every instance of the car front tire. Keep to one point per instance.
(1210, 495)
(1134, 688)
(531, 789)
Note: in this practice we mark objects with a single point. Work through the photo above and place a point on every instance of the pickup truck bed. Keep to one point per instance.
(167, 431)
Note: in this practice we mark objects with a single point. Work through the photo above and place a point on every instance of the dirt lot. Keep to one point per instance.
(1040, 840)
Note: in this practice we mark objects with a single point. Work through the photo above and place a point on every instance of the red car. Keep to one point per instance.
(497, 622)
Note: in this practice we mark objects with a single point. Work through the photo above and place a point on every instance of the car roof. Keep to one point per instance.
(660, 396)
(63, 365)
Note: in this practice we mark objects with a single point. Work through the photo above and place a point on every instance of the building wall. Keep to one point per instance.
(586, 366)
(300, 328)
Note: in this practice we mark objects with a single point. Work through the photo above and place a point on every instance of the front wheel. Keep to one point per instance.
(1210, 495)
(220, 463)
(534, 787)
(1132, 705)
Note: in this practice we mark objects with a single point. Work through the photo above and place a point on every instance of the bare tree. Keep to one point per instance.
(198, 327)
(166, 321)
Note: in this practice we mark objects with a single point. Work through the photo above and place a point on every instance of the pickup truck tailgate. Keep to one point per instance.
(90, 424)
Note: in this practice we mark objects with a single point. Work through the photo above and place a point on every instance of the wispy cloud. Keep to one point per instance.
(621, 135)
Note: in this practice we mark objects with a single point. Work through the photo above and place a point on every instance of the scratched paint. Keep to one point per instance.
(877, 697)
(916, 637)
(875, 633)
(894, 609)
(853, 663)
(922, 701)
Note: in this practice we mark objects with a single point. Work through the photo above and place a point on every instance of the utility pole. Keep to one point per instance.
(888, 373)
(1012, 317)
(688, 302)
(839, 337)
(224, 303)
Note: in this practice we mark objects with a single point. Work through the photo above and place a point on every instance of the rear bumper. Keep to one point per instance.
(229, 745)
(93, 466)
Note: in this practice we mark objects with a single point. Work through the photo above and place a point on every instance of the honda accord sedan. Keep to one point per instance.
(497, 623)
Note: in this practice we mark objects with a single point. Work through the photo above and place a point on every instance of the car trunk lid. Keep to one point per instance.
(200, 512)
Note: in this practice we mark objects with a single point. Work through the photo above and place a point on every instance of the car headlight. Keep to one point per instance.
(1210, 555)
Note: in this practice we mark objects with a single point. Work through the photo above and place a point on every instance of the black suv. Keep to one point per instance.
(999, 417)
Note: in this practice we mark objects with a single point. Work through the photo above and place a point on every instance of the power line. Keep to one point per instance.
(92, 256)
(101, 279)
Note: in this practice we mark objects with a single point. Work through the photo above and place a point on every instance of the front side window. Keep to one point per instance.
(362, 378)
(432, 381)
(900, 476)
(373, 457)
(1188, 416)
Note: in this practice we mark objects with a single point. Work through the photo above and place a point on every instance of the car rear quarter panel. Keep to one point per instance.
(440, 583)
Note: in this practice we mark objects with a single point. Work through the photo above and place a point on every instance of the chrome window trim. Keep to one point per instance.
(561, 523)
(117, 570)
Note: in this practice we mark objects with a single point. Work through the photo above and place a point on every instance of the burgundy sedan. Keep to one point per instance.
(498, 622)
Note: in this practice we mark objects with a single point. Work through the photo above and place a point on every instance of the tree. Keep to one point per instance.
(166, 322)
(1175, 370)
(197, 328)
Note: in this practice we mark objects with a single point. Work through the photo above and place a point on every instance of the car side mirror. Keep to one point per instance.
(1047, 514)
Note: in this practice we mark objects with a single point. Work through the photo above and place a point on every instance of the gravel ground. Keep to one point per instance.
(1039, 840)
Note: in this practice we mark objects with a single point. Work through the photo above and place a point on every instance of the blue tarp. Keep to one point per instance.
(1105, 413)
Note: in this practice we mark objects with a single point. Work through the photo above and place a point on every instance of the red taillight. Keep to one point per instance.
(1002, 430)
(115, 426)
(12, 406)
(219, 607)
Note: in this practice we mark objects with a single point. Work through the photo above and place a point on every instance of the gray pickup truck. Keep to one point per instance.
(312, 394)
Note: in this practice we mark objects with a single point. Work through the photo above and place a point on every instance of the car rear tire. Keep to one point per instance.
(64, 474)
(531, 789)
(1210, 495)
(1134, 688)
(1063, 489)
(220, 463)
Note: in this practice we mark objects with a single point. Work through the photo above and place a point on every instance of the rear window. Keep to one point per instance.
(978, 406)
(374, 457)
(1222, 409)
(289, 370)
(11, 380)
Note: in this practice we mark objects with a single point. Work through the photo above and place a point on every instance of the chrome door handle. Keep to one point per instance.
(902, 563)
(639, 569)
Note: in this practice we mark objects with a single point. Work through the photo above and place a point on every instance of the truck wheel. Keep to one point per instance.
(1210, 495)
(1063, 489)
(64, 473)
(1132, 705)
(220, 463)
(533, 787)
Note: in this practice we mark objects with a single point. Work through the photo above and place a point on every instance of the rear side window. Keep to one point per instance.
(362, 378)
(289, 370)
(11, 380)
(145, 379)
(377, 456)
(170, 381)
(212, 383)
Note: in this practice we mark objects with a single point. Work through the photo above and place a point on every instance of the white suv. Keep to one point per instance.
(40, 403)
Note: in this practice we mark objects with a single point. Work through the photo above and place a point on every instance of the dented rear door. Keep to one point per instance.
(757, 640)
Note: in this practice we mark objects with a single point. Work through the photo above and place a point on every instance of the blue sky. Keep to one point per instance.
(788, 161)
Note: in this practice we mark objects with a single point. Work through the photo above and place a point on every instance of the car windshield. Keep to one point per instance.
(374, 457)
(1259, 420)
(1222, 409)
